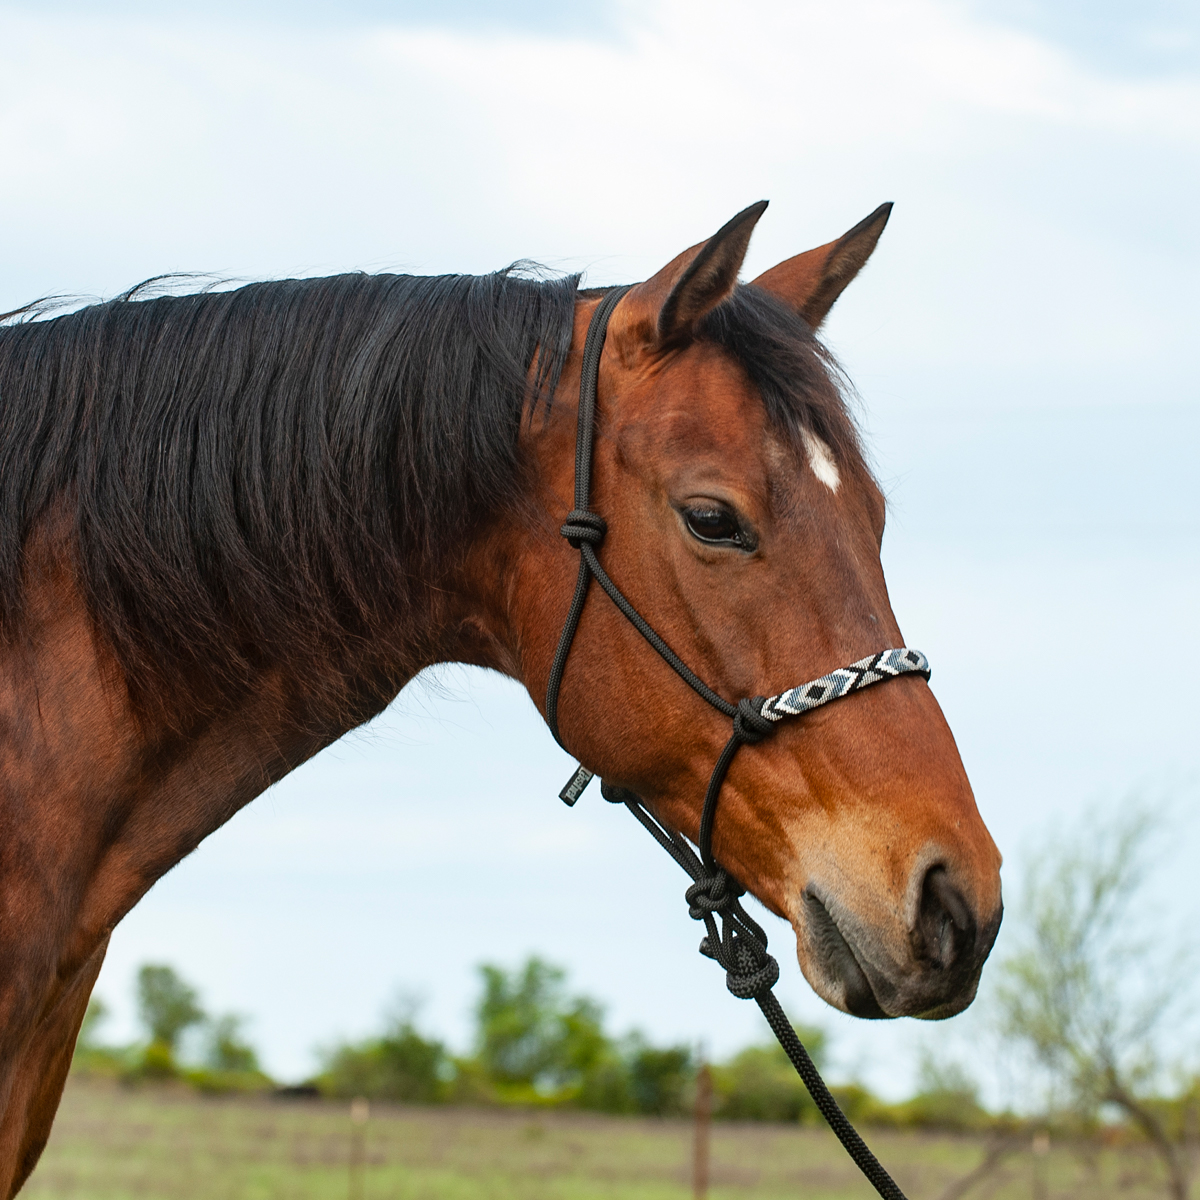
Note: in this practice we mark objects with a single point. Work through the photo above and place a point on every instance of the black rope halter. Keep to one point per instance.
(732, 937)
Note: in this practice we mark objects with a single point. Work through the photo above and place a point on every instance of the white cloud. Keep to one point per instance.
(1035, 225)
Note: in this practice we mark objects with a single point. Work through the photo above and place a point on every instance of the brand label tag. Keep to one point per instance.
(575, 786)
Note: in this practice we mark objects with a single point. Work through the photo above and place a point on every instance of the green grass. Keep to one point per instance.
(112, 1143)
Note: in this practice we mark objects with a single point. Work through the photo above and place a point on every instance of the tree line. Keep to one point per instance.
(1093, 1002)
(536, 1044)
(169, 1008)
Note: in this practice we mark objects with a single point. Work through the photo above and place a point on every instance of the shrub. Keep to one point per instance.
(401, 1065)
(231, 1063)
(760, 1083)
(947, 1098)
(157, 1061)
(228, 1051)
(660, 1078)
(606, 1086)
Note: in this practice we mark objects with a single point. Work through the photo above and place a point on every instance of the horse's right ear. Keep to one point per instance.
(812, 281)
(664, 310)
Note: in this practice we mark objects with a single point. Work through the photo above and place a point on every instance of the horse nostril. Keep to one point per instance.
(945, 930)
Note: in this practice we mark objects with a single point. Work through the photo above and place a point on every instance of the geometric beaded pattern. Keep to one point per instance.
(887, 664)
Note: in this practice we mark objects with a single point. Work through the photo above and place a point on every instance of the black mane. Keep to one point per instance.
(254, 475)
(799, 381)
(271, 475)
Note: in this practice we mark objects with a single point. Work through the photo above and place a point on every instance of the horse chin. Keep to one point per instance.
(841, 961)
(831, 966)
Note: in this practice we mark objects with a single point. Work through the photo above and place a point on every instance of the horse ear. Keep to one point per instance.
(812, 281)
(665, 309)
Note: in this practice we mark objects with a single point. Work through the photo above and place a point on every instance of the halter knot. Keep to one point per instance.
(584, 526)
(617, 795)
(749, 970)
(712, 894)
(749, 724)
(755, 971)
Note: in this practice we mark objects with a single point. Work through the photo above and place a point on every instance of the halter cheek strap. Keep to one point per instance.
(739, 943)
(753, 718)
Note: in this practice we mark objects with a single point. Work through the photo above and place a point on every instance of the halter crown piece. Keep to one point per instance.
(739, 944)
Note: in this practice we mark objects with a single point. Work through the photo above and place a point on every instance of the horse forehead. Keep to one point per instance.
(702, 403)
(785, 459)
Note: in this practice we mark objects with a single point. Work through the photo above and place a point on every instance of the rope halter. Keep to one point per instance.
(732, 937)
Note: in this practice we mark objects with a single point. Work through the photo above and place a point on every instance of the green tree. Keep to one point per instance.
(167, 1006)
(228, 1049)
(759, 1083)
(517, 1021)
(660, 1078)
(1089, 988)
(400, 1065)
(582, 1043)
(946, 1098)
(531, 1034)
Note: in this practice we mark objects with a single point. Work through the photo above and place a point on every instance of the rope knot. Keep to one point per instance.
(755, 971)
(584, 526)
(712, 894)
(749, 724)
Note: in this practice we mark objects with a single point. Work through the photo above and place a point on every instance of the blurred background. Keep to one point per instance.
(1023, 341)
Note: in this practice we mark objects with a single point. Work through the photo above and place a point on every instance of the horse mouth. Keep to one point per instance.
(936, 977)
(838, 960)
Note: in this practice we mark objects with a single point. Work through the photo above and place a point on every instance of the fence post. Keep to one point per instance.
(360, 1111)
(700, 1148)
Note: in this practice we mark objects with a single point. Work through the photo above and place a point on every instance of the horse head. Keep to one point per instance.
(744, 524)
(220, 556)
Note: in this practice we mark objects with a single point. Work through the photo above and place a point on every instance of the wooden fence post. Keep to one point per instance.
(700, 1147)
(360, 1111)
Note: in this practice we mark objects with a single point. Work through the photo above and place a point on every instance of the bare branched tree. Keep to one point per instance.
(995, 1153)
(1096, 983)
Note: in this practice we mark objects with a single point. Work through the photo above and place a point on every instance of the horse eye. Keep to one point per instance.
(713, 525)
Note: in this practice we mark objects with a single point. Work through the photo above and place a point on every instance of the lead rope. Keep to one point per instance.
(732, 937)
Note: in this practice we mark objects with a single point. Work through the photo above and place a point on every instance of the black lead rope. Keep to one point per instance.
(732, 937)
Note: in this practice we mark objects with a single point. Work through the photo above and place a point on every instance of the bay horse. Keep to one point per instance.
(234, 524)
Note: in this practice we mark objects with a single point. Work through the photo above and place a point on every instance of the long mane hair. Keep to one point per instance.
(268, 475)
(277, 475)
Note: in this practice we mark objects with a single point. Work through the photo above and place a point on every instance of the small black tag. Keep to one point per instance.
(575, 786)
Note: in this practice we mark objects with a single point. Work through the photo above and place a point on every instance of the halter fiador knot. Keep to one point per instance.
(712, 894)
(749, 969)
(738, 942)
(584, 528)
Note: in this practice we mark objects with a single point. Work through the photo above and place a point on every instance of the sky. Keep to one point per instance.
(1022, 344)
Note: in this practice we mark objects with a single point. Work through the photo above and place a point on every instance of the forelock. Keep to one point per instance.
(801, 384)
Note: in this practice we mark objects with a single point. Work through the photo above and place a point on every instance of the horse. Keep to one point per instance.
(233, 524)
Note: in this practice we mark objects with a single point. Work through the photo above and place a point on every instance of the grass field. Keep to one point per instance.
(110, 1143)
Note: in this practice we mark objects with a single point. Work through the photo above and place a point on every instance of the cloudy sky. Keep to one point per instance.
(1023, 342)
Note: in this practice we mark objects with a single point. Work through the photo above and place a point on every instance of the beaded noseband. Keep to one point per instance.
(740, 943)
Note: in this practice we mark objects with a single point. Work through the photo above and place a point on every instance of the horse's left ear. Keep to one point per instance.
(664, 311)
(812, 281)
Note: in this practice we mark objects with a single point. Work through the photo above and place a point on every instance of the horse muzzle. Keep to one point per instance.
(927, 966)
